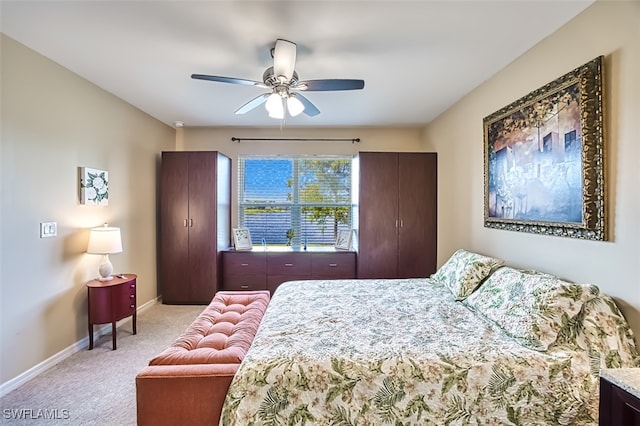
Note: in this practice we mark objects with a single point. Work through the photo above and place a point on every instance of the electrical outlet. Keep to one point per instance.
(48, 229)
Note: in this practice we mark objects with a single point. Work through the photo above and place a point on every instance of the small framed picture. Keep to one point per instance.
(94, 186)
(343, 240)
(242, 239)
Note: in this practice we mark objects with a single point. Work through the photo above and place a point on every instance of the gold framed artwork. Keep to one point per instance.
(544, 159)
(242, 239)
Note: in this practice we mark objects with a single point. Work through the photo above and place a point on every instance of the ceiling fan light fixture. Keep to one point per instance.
(278, 115)
(275, 106)
(273, 102)
(294, 106)
(283, 79)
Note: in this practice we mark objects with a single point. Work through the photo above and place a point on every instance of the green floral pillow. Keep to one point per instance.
(464, 271)
(530, 307)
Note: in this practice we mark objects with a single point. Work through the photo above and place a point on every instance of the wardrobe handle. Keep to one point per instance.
(396, 223)
(401, 223)
(185, 223)
(191, 223)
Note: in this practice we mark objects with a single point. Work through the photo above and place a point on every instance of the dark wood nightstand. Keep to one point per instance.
(620, 397)
(111, 301)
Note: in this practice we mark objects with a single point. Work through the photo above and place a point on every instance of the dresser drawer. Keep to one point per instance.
(124, 300)
(298, 264)
(245, 282)
(241, 263)
(333, 265)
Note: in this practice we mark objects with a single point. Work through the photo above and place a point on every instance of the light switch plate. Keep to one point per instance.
(48, 229)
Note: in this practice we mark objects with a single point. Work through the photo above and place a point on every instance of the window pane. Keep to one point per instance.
(268, 223)
(267, 181)
(325, 181)
(295, 200)
(321, 224)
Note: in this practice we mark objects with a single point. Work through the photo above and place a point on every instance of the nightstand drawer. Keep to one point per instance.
(124, 300)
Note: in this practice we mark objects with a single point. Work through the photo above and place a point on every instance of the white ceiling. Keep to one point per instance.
(417, 57)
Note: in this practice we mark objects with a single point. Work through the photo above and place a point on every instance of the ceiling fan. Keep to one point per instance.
(285, 85)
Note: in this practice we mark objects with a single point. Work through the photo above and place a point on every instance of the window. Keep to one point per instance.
(547, 143)
(294, 200)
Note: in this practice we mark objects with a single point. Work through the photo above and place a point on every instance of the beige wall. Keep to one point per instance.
(606, 28)
(405, 139)
(52, 123)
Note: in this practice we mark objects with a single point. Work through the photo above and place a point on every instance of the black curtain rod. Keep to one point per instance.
(353, 140)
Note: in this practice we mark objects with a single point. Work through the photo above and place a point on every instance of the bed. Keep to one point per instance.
(430, 351)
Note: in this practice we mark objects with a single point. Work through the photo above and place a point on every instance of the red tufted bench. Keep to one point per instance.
(187, 383)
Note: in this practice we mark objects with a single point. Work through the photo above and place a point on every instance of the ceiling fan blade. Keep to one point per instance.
(253, 103)
(284, 59)
(329, 85)
(228, 80)
(309, 108)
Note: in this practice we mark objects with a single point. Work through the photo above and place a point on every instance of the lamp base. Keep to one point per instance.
(106, 268)
(109, 278)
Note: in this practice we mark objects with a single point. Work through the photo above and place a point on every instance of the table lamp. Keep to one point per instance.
(105, 240)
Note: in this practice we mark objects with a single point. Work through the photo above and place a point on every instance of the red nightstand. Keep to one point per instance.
(111, 301)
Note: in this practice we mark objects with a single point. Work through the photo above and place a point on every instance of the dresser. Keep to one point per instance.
(261, 269)
(620, 397)
(111, 301)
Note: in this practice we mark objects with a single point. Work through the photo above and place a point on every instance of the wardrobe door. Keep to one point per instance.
(174, 232)
(378, 215)
(192, 196)
(417, 212)
(202, 226)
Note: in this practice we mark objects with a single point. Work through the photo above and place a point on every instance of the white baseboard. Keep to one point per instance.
(81, 344)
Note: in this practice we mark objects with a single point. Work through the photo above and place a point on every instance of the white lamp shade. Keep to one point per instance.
(104, 240)
(294, 106)
(275, 106)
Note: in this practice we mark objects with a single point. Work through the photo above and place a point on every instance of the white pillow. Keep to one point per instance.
(464, 271)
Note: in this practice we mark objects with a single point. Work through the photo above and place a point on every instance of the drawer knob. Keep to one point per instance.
(133, 286)
(133, 306)
(288, 265)
(244, 286)
(333, 265)
(244, 264)
(132, 296)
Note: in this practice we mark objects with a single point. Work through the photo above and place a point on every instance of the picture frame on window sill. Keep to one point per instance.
(242, 239)
(343, 239)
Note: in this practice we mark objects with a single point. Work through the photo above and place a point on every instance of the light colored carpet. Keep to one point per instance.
(97, 387)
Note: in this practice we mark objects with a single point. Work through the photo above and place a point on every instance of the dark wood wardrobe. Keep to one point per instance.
(195, 222)
(397, 215)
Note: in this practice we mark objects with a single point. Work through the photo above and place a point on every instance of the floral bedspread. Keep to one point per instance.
(401, 352)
